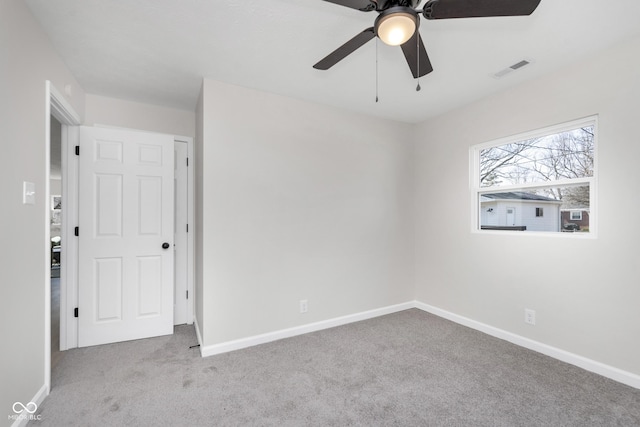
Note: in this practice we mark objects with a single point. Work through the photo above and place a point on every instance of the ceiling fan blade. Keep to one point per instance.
(416, 56)
(345, 50)
(362, 5)
(445, 9)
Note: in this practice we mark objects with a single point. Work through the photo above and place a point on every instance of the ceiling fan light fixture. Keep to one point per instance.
(396, 25)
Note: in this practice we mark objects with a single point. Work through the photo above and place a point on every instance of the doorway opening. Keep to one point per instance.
(62, 298)
(55, 228)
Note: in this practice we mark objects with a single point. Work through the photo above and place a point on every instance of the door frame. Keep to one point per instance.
(191, 221)
(57, 106)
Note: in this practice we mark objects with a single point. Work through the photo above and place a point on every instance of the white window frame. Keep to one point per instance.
(571, 218)
(477, 191)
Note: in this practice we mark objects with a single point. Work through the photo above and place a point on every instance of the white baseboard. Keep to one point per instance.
(22, 420)
(611, 372)
(615, 374)
(299, 330)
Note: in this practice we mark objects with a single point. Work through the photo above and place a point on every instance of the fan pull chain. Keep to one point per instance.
(376, 69)
(418, 56)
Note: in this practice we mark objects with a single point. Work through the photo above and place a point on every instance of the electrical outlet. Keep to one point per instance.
(529, 316)
(303, 306)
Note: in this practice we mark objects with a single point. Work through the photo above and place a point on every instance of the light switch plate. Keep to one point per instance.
(28, 193)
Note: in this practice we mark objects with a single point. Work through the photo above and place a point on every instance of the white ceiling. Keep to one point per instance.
(158, 51)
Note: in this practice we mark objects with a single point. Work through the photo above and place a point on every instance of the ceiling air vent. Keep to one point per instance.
(510, 69)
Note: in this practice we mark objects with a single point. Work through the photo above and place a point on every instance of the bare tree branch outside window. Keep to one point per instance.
(564, 155)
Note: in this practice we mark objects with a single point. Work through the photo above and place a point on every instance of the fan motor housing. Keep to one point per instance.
(386, 4)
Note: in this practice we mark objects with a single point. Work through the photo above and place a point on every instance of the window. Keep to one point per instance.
(537, 181)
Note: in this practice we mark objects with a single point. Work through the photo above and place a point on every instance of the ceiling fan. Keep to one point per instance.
(398, 21)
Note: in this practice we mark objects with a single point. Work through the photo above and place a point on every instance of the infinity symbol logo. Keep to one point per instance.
(30, 407)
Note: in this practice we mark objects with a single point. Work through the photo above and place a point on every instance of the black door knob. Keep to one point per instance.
(165, 245)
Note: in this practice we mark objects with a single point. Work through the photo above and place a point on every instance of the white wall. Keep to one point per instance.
(199, 229)
(27, 61)
(585, 291)
(55, 186)
(101, 110)
(299, 201)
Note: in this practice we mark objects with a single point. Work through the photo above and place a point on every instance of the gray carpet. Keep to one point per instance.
(56, 354)
(408, 368)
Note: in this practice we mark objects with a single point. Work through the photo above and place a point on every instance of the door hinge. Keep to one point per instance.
(76, 231)
(75, 312)
(187, 228)
(77, 150)
(187, 161)
(187, 294)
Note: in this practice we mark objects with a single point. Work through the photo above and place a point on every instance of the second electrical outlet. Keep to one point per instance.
(303, 306)
(529, 316)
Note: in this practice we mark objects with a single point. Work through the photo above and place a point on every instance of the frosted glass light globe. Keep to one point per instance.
(395, 29)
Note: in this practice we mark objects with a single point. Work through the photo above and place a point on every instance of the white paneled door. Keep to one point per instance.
(126, 210)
